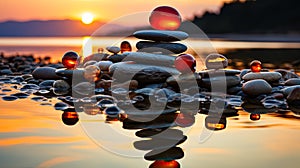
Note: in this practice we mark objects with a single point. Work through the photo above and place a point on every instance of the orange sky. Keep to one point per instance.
(102, 9)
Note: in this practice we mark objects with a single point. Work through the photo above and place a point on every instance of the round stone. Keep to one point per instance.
(185, 63)
(161, 35)
(46, 84)
(125, 47)
(256, 87)
(70, 118)
(61, 87)
(104, 65)
(45, 73)
(112, 111)
(69, 59)
(267, 76)
(164, 48)
(163, 163)
(91, 73)
(113, 49)
(216, 61)
(254, 117)
(165, 18)
(255, 66)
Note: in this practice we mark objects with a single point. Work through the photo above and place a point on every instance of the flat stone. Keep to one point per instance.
(164, 48)
(292, 82)
(267, 76)
(161, 35)
(144, 74)
(256, 87)
(221, 81)
(5, 72)
(173, 153)
(45, 73)
(69, 73)
(219, 72)
(216, 61)
(113, 49)
(149, 58)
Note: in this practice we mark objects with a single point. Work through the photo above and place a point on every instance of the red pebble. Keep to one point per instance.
(165, 18)
(185, 63)
(165, 164)
(255, 66)
(70, 59)
(254, 117)
(185, 120)
(125, 47)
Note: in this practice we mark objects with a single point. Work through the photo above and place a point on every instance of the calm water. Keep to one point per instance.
(33, 135)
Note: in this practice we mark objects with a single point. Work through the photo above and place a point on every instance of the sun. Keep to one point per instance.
(87, 18)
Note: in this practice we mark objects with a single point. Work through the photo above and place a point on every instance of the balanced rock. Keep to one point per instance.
(216, 61)
(161, 35)
(113, 49)
(256, 87)
(286, 74)
(45, 73)
(267, 76)
(165, 48)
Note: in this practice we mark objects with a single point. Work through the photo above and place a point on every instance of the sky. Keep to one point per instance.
(104, 10)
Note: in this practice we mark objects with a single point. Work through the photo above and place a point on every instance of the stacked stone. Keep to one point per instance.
(160, 41)
(262, 90)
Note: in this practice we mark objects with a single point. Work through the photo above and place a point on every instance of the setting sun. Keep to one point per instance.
(87, 18)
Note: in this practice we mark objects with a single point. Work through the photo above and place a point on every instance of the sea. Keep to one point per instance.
(32, 133)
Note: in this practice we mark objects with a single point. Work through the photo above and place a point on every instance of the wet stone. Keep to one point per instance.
(20, 95)
(45, 73)
(219, 72)
(47, 84)
(105, 103)
(39, 98)
(256, 87)
(113, 49)
(61, 106)
(287, 90)
(267, 76)
(104, 65)
(164, 48)
(9, 98)
(286, 74)
(292, 82)
(112, 111)
(221, 82)
(61, 87)
(5, 72)
(160, 35)
(29, 87)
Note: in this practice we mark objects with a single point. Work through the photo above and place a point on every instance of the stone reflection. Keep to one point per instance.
(69, 117)
(160, 129)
